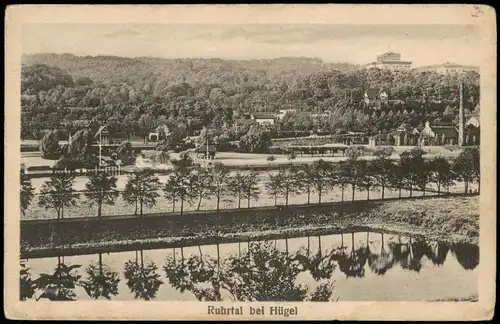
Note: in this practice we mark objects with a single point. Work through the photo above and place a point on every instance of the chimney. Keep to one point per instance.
(461, 119)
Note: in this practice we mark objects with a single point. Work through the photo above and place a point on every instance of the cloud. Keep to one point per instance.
(311, 33)
(122, 32)
(331, 42)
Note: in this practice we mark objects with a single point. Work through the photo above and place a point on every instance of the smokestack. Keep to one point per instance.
(461, 118)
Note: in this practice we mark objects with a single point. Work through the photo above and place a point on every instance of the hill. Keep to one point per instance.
(227, 73)
(134, 95)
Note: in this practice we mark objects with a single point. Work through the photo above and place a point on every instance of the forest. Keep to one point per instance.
(134, 95)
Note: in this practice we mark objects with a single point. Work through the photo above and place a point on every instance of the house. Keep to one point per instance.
(439, 134)
(284, 112)
(390, 61)
(243, 124)
(404, 135)
(447, 68)
(102, 136)
(472, 131)
(161, 132)
(352, 138)
(375, 95)
(264, 118)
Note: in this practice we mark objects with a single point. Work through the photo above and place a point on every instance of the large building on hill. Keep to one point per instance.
(390, 61)
(447, 68)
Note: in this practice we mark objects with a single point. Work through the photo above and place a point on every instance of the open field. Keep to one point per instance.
(252, 159)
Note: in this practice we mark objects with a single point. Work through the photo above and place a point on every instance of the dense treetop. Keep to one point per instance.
(136, 94)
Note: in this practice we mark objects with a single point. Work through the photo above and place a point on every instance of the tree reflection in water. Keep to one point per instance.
(437, 252)
(467, 255)
(353, 265)
(59, 285)
(381, 262)
(100, 281)
(142, 280)
(320, 266)
(263, 273)
(26, 284)
(409, 255)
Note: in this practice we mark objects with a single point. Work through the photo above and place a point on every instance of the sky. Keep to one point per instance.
(358, 44)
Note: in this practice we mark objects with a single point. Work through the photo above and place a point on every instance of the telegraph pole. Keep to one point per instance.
(100, 147)
(461, 118)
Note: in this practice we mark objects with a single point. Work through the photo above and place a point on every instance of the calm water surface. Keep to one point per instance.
(381, 267)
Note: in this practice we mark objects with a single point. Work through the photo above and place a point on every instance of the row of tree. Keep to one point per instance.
(261, 273)
(410, 172)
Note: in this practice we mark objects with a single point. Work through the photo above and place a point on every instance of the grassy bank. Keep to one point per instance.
(452, 218)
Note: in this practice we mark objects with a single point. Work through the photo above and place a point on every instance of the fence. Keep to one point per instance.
(113, 170)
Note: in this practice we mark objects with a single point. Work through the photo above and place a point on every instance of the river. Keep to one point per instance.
(381, 267)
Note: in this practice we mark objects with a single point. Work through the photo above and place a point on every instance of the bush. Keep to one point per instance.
(271, 158)
(50, 146)
(125, 153)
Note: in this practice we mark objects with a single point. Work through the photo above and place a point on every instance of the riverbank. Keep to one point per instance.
(438, 218)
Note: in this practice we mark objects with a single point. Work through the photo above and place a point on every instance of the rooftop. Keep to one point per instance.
(263, 116)
(447, 65)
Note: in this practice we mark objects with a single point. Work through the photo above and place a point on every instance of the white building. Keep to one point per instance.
(283, 112)
(375, 94)
(390, 61)
(263, 118)
(447, 68)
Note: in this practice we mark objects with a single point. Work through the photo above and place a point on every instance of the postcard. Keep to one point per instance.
(246, 162)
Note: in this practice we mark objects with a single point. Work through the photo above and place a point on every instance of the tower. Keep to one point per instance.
(461, 118)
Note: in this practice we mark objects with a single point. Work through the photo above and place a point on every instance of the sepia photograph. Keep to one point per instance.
(226, 163)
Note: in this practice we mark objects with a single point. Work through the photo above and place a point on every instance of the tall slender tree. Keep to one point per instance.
(353, 174)
(27, 191)
(202, 179)
(251, 187)
(466, 166)
(180, 187)
(441, 173)
(142, 189)
(236, 187)
(220, 178)
(397, 178)
(288, 184)
(342, 177)
(382, 168)
(366, 179)
(414, 168)
(57, 193)
(171, 190)
(101, 189)
(321, 177)
(305, 180)
(273, 186)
